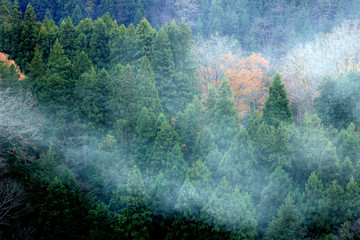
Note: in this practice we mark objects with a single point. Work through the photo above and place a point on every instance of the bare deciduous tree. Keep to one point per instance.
(305, 67)
(187, 10)
(210, 55)
(19, 121)
(12, 200)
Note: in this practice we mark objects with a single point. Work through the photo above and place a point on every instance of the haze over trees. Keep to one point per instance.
(179, 119)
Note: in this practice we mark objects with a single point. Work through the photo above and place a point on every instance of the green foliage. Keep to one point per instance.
(287, 224)
(337, 103)
(115, 96)
(230, 210)
(224, 124)
(277, 108)
(134, 222)
(56, 215)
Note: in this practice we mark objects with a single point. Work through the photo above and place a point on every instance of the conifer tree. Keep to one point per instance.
(287, 224)
(163, 65)
(239, 219)
(37, 66)
(82, 64)
(59, 83)
(225, 122)
(144, 35)
(134, 222)
(56, 215)
(28, 38)
(13, 32)
(149, 97)
(67, 35)
(277, 108)
(165, 141)
(99, 45)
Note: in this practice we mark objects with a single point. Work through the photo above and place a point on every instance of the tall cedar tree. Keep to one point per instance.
(287, 224)
(225, 122)
(277, 108)
(28, 38)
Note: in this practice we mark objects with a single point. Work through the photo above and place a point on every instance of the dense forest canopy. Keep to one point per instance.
(179, 119)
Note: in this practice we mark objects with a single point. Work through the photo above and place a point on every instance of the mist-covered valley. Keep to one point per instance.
(179, 119)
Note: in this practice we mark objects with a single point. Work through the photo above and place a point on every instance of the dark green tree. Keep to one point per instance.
(287, 224)
(338, 99)
(232, 211)
(28, 38)
(56, 215)
(67, 35)
(277, 108)
(82, 64)
(134, 221)
(99, 45)
(144, 35)
(225, 123)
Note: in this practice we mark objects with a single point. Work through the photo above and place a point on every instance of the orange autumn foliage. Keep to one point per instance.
(5, 59)
(247, 77)
(249, 83)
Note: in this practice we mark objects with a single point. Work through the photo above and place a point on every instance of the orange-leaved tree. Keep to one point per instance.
(249, 83)
(248, 79)
(5, 59)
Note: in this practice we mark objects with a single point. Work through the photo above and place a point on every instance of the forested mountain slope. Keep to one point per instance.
(115, 128)
(269, 26)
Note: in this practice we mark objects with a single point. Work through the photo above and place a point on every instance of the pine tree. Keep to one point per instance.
(28, 38)
(165, 141)
(149, 97)
(195, 190)
(37, 66)
(82, 64)
(279, 186)
(135, 220)
(67, 35)
(225, 122)
(230, 210)
(55, 215)
(239, 163)
(287, 224)
(163, 65)
(277, 108)
(144, 35)
(99, 45)
(59, 84)
(13, 32)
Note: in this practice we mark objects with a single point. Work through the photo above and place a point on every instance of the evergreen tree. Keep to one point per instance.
(135, 220)
(37, 66)
(59, 84)
(13, 32)
(163, 66)
(187, 124)
(279, 186)
(77, 15)
(28, 38)
(195, 191)
(287, 224)
(99, 45)
(239, 164)
(149, 97)
(225, 122)
(277, 108)
(230, 210)
(165, 141)
(56, 216)
(82, 64)
(144, 35)
(67, 35)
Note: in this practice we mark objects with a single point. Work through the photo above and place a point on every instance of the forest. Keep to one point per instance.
(180, 119)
